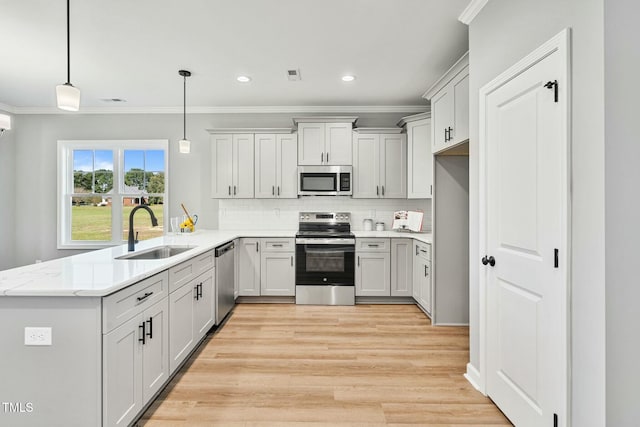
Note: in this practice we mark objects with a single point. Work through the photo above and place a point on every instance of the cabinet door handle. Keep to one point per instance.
(257, 246)
(321, 158)
(143, 333)
(145, 296)
(383, 190)
(234, 190)
(417, 250)
(425, 271)
(229, 190)
(327, 157)
(431, 190)
(358, 260)
(150, 333)
(195, 288)
(273, 190)
(291, 261)
(445, 135)
(278, 190)
(450, 130)
(377, 190)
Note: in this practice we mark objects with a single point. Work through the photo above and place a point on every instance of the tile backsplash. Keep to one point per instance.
(282, 214)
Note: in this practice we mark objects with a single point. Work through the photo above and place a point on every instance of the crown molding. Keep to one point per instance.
(325, 119)
(408, 119)
(225, 110)
(473, 8)
(385, 130)
(461, 65)
(225, 131)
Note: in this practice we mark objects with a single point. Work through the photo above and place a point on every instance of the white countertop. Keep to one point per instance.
(98, 273)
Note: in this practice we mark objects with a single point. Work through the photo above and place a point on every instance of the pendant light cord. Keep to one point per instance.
(68, 48)
(184, 111)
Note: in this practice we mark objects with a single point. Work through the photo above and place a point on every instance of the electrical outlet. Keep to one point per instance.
(37, 336)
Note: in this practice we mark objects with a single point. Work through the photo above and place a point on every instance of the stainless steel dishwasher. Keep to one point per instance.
(225, 272)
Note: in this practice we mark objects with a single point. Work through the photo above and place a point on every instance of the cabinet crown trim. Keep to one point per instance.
(413, 118)
(325, 119)
(457, 68)
(378, 130)
(471, 11)
(249, 130)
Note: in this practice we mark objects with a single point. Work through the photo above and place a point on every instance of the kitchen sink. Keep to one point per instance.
(159, 252)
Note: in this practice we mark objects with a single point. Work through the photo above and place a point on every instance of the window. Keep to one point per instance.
(100, 182)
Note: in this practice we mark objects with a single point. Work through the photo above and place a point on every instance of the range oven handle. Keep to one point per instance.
(321, 241)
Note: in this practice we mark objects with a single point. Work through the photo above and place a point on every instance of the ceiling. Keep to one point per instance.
(133, 49)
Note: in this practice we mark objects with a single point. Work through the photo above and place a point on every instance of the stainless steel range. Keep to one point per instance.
(325, 259)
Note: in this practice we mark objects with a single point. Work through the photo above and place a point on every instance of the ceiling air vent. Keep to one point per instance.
(293, 75)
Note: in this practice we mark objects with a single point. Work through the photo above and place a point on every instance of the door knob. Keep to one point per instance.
(491, 261)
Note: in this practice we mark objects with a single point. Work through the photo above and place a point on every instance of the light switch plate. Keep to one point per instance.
(37, 336)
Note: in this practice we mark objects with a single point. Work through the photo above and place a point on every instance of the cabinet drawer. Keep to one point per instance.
(423, 250)
(278, 244)
(123, 305)
(373, 245)
(184, 272)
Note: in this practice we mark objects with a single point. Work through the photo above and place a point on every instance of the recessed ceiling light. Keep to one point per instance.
(348, 78)
(243, 79)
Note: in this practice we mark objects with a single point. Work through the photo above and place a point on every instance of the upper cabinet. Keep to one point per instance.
(419, 155)
(276, 166)
(450, 107)
(324, 140)
(379, 163)
(232, 165)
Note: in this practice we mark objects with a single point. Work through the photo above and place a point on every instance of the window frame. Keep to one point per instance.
(65, 187)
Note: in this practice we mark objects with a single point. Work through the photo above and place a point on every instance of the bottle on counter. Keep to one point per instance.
(379, 226)
(367, 224)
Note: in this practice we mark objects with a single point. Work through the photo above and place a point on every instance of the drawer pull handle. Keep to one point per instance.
(423, 251)
(145, 296)
(277, 245)
(374, 246)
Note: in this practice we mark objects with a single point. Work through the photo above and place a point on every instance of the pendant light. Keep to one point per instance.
(67, 94)
(184, 144)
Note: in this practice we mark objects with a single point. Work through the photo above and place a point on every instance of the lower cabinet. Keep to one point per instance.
(248, 273)
(277, 274)
(401, 267)
(192, 314)
(373, 267)
(422, 291)
(135, 363)
(266, 267)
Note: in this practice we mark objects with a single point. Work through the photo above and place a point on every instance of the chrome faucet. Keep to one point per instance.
(154, 222)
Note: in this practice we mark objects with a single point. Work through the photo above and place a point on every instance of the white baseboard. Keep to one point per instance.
(473, 376)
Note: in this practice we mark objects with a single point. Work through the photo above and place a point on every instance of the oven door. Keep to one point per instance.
(322, 261)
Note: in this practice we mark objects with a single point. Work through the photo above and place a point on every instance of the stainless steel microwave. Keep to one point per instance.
(325, 180)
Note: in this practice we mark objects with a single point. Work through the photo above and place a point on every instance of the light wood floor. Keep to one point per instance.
(291, 365)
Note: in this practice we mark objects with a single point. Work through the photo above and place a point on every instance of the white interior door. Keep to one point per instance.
(526, 205)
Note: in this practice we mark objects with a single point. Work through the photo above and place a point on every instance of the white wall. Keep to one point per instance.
(28, 187)
(504, 32)
(622, 177)
(8, 220)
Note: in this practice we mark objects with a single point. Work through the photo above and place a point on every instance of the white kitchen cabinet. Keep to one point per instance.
(135, 363)
(324, 140)
(277, 273)
(419, 155)
(192, 315)
(379, 163)
(232, 166)
(450, 107)
(276, 166)
(422, 276)
(373, 267)
(401, 267)
(248, 255)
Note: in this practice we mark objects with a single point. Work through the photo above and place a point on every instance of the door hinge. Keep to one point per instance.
(556, 262)
(555, 420)
(553, 84)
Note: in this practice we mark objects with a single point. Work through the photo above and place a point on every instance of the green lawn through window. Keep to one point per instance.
(94, 223)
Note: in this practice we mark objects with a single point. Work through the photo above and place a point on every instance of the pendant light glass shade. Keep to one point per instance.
(185, 146)
(5, 122)
(68, 97)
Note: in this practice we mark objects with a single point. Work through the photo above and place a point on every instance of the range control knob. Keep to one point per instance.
(301, 216)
